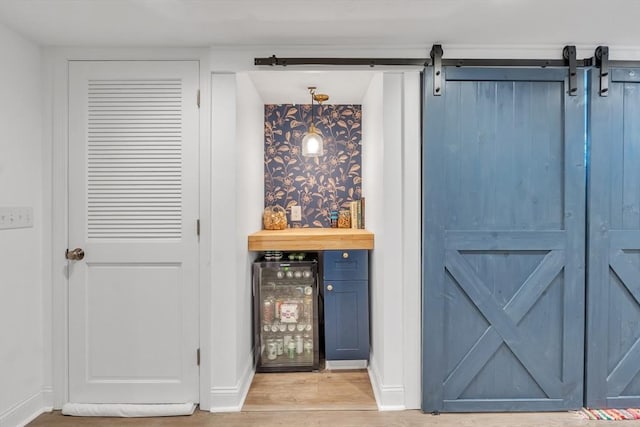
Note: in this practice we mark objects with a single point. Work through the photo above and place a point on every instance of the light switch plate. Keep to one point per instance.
(16, 217)
(296, 213)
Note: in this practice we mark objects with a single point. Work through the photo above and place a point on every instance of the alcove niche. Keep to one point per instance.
(390, 143)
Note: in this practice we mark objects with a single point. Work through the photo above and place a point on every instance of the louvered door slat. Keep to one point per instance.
(134, 159)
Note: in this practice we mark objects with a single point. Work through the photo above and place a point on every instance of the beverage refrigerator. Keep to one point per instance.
(285, 307)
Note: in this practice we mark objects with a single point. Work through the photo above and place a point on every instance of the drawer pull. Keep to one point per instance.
(329, 287)
(345, 255)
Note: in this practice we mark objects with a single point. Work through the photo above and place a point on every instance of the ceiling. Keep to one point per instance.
(517, 27)
(417, 23)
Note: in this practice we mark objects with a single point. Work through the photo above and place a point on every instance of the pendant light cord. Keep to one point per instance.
(312, 91)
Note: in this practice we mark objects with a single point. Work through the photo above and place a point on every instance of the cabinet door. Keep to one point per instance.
(346, 265)
(346, 319)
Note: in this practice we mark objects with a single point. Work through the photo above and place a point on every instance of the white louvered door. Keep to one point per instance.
(133, 207)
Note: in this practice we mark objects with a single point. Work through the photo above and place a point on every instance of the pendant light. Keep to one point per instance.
(312, 143)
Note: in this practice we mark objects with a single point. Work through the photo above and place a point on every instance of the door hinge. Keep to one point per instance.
(198, 98)
(198, 227)
(198, 357)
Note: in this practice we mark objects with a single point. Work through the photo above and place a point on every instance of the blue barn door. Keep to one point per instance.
(503, 241)
(613, 316)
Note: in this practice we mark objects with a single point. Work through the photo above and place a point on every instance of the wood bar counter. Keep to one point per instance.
(311, 239)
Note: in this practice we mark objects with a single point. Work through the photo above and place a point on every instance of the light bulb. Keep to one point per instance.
(312, 145)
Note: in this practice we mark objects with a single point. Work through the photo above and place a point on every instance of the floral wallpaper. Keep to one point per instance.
(317, 184)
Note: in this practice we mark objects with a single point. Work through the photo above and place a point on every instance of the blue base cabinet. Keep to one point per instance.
(346, 304)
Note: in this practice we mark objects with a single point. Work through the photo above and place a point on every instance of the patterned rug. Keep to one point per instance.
(611, 414)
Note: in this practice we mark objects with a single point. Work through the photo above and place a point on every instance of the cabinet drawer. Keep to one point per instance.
(346, 265)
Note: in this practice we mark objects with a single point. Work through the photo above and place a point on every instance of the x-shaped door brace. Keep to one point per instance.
(503, 324)
(627, 368)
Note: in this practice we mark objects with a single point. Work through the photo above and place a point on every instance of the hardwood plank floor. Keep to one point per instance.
(318, 399)
(311, 391)
(333, 419)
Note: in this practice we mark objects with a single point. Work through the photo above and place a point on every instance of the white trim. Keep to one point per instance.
(231, 399)
(47, 397)
(47, 233)
(411, 240)
(388, 397)
(59, 239)
(205, 230)
(333, 365)
(22, 413)
(57, 63)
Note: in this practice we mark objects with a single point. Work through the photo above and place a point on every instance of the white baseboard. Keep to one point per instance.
(47, 397)
(388, 398)
(231, 399)
(345, 364)
(24, 412)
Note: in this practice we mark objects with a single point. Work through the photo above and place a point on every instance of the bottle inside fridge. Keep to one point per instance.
(285, 314)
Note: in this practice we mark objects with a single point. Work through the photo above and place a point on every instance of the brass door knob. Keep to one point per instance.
(75, 255)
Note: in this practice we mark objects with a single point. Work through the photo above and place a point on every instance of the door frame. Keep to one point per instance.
(56, 72)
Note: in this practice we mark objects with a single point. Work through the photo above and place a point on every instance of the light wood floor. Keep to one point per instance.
(311, 391)
(335, 419)
(326, 398)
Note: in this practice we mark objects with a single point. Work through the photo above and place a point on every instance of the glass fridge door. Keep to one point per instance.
(286, 318)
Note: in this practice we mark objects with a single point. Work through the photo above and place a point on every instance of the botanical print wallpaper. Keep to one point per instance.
(318, 184)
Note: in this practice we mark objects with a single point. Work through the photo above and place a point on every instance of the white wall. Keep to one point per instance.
(391, 166)
(249, 206)
(391, 113)
(21, 275)
(224, 296)
(373, 190)
(412, 238)
(237, 153)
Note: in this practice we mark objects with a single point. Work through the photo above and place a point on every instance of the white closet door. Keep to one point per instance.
(133, 206)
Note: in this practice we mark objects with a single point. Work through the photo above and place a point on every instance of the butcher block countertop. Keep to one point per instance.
(310, 239)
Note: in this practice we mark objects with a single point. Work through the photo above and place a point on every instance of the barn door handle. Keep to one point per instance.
(75, 255)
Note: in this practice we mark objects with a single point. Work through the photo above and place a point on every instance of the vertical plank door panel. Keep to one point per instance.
(613, 288)
(503, 241)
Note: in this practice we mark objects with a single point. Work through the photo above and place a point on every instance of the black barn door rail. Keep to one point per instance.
(274, 61)
(600, 60)
(437, 61)
(369, 62)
